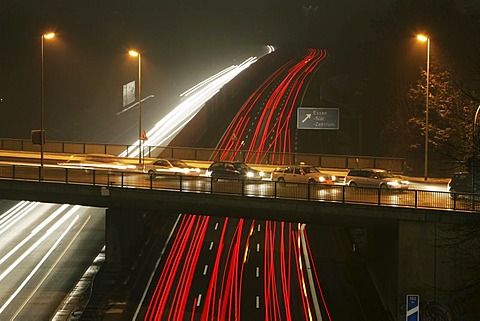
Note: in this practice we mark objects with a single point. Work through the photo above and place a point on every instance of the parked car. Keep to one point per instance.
(234, 170)
(372, 177)
(170, 166)
(301, 174)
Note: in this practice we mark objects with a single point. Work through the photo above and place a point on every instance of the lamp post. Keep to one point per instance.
(135, 53)
(475, 150)
(424, 38)
(47, 36)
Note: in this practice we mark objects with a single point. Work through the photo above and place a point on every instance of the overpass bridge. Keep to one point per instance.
(404, 228)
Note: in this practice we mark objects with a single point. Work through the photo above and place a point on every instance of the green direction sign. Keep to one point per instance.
(317, 118)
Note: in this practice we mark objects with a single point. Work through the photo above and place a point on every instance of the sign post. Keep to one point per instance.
(413, 307)
(317, 118)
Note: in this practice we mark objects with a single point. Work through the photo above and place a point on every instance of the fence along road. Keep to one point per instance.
(423, 199)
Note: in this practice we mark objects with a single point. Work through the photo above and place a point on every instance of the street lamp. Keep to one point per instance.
(47, 36)
(135, 53)
(424, 38)
(473, 165)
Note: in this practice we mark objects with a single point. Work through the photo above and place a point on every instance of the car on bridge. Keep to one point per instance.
(461, 183)
(374, 177)
(301, 174)
(170, 166)
(233, 170)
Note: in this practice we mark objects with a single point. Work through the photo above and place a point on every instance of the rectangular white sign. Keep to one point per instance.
(128, 93)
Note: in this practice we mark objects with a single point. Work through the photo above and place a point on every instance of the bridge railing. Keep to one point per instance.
(440, 200)
(208, 154)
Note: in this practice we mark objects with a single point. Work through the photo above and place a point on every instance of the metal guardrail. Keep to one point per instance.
(209, 154)
(420, 199)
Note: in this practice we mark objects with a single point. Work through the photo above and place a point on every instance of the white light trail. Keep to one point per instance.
(34, 232)
(39, 241)
(195, 98)
(39, 264)
(16, 215)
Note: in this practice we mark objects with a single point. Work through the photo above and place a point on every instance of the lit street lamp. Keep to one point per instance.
(424, 38)
(135, 53)
(47, 36)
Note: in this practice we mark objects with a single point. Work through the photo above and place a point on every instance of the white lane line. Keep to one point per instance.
(199, 299)
(257, 303)
(216, 226)
(205, 269)
(257, 272)
(211, 246)
(259, 227)
(258, 247)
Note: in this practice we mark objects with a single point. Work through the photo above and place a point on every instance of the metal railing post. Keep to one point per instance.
(66, 175)
(181, 182)
(275, 189)
(93, 176)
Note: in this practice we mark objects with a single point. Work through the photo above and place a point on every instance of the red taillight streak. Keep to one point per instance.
(283, 263)
(229, 273)
(194, 307)
(297, 254)
(157, 304)
(152, 307)
(272, 306)
(247, 246)
(189, 266)
(209, 298)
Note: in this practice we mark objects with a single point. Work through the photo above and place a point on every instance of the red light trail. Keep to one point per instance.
(263, 125)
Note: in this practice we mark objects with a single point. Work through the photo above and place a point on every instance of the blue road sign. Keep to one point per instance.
(413, 307)
(317, 118)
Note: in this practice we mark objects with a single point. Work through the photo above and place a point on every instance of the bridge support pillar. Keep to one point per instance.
(434, 261)
(124, 232)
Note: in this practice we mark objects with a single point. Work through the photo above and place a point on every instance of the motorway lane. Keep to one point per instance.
(42, 254)
(243, 269)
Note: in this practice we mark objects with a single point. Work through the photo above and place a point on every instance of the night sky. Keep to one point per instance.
(182, 42)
